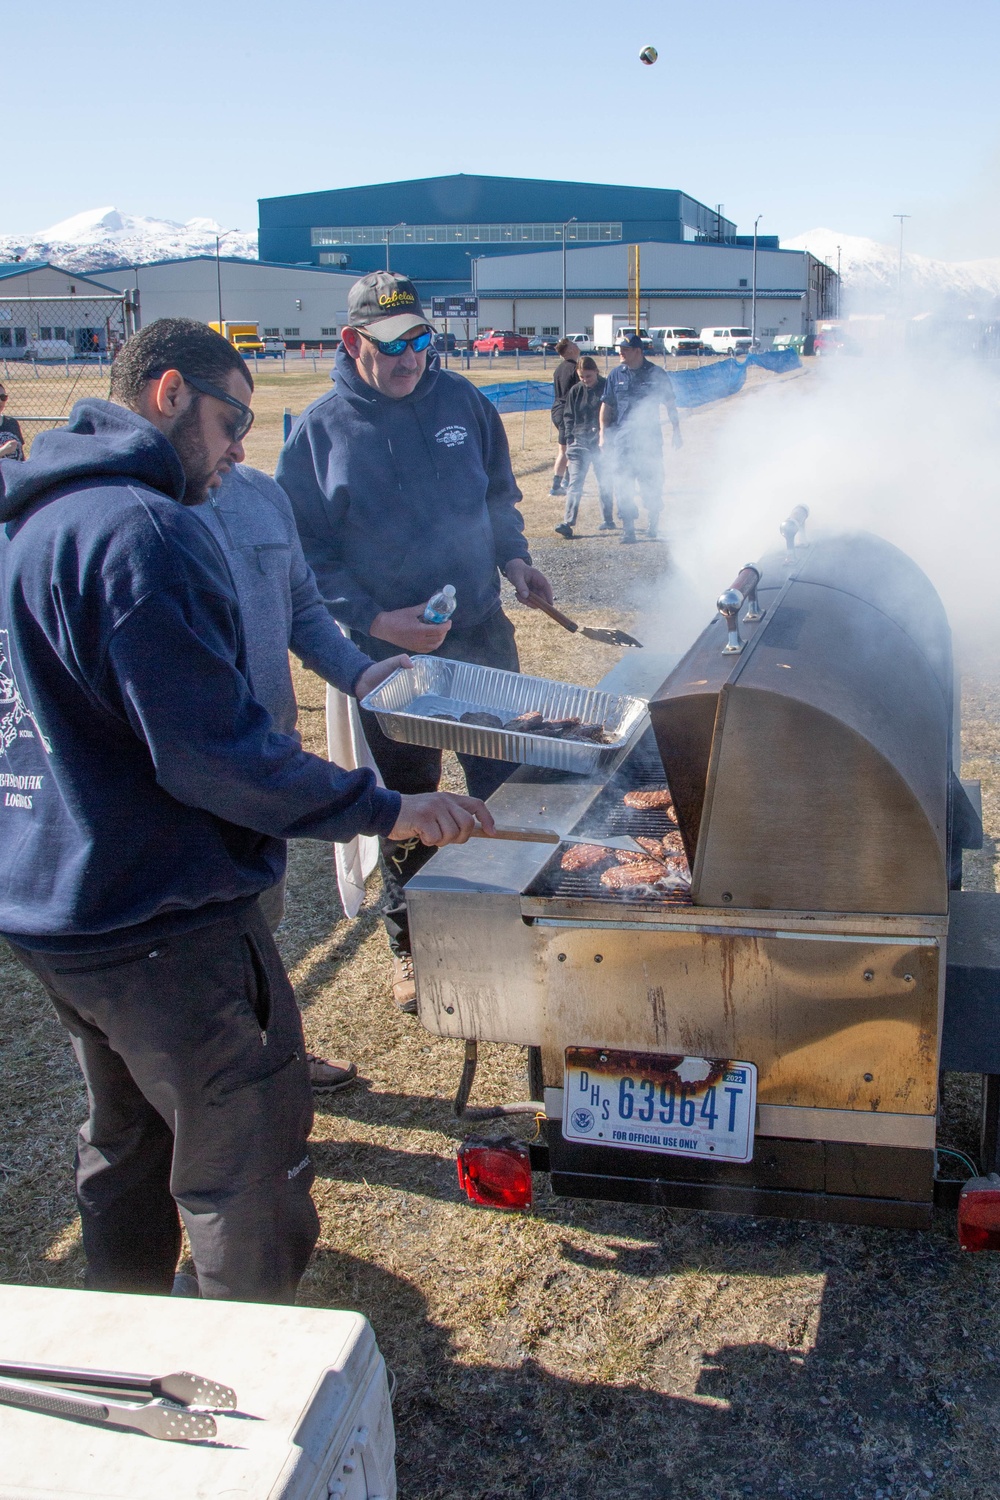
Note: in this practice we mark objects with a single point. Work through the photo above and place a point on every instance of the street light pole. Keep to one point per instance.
(753, 287)
(899, 276)
(388, 231)
(218, 269)
(564, 229)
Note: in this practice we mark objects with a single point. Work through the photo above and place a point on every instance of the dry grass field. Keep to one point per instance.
(587, 1349)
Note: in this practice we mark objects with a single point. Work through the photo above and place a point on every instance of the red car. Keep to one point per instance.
(497, 341)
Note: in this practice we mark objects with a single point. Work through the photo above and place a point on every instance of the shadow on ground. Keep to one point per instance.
(833, 1422)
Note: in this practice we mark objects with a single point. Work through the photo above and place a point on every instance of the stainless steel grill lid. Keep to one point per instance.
(810, 770)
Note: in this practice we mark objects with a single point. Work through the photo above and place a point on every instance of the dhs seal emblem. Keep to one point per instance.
(582, 1120)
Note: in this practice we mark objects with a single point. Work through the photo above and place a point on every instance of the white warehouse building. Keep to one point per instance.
(680, 285)
(301, 304)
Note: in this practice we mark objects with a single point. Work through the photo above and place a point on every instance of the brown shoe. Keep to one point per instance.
(404, 986)
(330, 1073)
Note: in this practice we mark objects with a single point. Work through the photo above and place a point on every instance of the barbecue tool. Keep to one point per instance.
(550, 836)
(592, 632)
(180, 1385)
(157, 1418)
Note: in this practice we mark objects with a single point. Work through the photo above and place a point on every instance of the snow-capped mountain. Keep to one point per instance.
(870, 270)
(105, 237)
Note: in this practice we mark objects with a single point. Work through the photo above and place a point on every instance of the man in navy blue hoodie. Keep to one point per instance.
(144, 799)
(400, 480)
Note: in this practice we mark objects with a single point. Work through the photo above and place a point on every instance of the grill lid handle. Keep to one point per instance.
(730, 602)
(791, 527)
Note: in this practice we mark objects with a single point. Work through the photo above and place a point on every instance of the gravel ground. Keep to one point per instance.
(588, 1347)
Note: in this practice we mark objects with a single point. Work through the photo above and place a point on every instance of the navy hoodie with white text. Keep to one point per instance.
(143, 789)
(393, 498)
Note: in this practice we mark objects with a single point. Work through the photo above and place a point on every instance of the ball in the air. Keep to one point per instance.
(648, 55)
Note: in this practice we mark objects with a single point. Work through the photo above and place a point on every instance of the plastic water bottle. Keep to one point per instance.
(441, 607)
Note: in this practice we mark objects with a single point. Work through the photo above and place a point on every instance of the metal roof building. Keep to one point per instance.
(431, 228)
(304, 304)
(689, 285)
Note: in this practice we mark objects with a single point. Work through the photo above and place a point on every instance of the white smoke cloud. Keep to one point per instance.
(906, 448)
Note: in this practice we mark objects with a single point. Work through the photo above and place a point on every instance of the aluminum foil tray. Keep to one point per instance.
(406, 701)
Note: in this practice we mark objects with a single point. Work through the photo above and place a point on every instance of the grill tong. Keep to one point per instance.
(92, 1396)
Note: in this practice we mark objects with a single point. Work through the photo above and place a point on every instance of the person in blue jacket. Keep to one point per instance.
(401, 481)
(145, 796)
(251, 519)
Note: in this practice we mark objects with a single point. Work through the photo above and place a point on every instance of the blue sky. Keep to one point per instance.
(837, 115)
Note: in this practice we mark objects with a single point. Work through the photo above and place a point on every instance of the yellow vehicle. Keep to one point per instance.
(244, 337)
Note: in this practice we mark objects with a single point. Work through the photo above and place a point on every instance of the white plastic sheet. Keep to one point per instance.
(347, 746)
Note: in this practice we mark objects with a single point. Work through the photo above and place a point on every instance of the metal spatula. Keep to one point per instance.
(550, 836)
(157, 1419)
(592, 632)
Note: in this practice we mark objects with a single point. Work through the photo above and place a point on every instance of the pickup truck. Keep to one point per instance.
(500, 341)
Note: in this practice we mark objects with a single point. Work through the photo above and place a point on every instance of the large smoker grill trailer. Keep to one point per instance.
(810, 747)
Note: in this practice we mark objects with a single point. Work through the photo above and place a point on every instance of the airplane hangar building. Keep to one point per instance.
(433, 229)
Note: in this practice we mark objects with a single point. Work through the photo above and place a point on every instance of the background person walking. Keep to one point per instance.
(630, 427)
(564, 378)
(581, 422)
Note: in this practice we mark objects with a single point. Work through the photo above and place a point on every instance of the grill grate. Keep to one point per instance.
(608, 817)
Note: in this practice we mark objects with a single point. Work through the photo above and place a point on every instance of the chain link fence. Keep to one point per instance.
(54, 351)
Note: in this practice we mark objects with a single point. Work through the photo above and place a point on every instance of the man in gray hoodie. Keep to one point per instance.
(251, 519)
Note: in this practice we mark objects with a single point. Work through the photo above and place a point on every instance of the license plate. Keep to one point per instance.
(644, 1101)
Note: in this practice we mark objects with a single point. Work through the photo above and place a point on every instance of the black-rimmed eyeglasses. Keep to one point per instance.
(240, 427)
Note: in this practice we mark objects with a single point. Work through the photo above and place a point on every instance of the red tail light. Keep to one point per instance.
(495, 1172)
(979, 1214)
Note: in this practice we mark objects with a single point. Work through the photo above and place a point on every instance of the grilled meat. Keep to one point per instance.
(559, 729)
(676, 868)
(632, 857)
(583, 857)
(530, 723)
(451, 719)
(596, 733)
(624, 877)
(653, 797)
(670, 844)
(484, 721)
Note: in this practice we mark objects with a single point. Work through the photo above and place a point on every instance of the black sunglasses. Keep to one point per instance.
(242, 426)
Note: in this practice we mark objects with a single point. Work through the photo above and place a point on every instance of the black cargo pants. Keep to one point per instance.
(192, 1052)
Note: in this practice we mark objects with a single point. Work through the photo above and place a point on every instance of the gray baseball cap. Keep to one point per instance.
(384, 305)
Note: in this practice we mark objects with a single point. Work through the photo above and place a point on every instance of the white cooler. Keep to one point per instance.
(313, 1418)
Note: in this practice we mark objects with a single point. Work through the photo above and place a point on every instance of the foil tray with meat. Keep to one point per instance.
(505, 715)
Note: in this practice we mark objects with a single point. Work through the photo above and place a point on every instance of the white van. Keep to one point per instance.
(50, 350)
(726, 340)
(675, 341)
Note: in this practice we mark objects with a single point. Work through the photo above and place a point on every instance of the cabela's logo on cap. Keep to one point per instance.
(396, 298)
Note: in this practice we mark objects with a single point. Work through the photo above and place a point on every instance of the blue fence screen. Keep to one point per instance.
(691, 387)
(519, 395)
